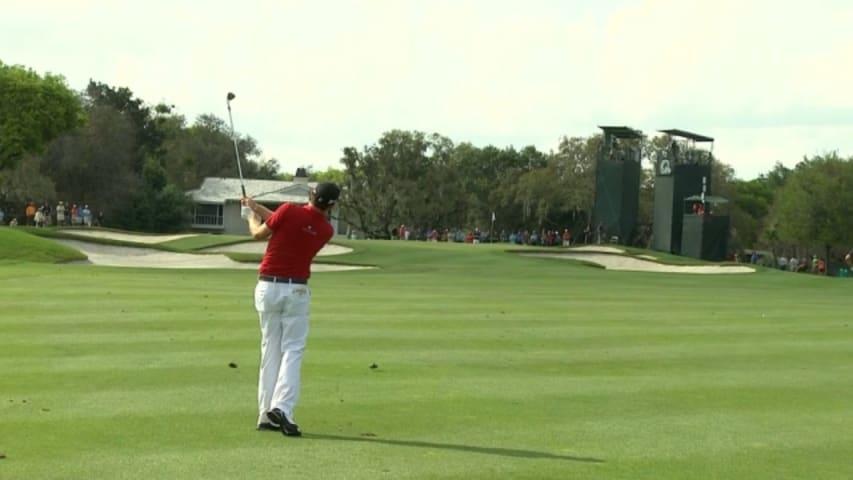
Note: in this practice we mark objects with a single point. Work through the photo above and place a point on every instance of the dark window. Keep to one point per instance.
(207, 215)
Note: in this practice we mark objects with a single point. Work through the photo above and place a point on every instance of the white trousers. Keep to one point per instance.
(283, 313)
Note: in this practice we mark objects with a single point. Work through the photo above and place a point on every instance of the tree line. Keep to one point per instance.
(135, 161)
(426, 181)
(105, 147)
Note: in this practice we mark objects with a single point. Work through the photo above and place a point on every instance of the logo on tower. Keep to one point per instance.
(664, 167)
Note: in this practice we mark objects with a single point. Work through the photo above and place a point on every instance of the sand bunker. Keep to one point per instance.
(127, 237)
(260, 246)
(115, 256)
(597, 249)
(621, 262)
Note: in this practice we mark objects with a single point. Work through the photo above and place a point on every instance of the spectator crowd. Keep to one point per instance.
(62, 214)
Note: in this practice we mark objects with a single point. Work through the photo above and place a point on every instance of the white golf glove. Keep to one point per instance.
(246, 212)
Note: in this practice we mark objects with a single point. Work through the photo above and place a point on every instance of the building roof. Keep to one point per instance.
(220, 190)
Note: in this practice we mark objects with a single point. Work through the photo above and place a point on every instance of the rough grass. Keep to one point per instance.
(16, 245)
(489, 366)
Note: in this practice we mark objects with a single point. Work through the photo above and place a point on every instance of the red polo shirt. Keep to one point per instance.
(298, 233)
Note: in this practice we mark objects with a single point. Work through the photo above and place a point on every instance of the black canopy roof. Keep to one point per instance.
(674, 132)
(622, 132)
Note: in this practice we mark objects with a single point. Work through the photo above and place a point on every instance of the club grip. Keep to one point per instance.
(243, 188)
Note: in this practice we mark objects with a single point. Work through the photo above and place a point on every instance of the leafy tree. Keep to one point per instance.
(579, 156)
(645, 210)
(331, 174)
(489, 178)
(262, 169)
(146, 122)
(815, 204)
(722, 176)
(750, 203)
(34, 110)
(206, 150)
(158, 206)
(752, 211)
(368, 201)
(398, 180)
(25, 183)
(95, 164)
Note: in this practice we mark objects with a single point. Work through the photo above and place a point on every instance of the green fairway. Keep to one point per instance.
(490, 365)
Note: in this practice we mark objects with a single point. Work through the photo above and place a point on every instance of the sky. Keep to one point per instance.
(770, 81)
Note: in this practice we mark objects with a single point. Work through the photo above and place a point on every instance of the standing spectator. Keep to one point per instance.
(45, 210)
(38, 218)
(783, 262)
(30, 212)
(60, 214)
(87, 216)
(2, 216)
(75, 215)
(793, 264)
(567, 238)
(99, 220)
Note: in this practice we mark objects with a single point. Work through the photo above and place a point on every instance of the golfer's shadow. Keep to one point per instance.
(504, 452)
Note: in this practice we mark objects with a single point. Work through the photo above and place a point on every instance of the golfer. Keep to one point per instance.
(296, 233)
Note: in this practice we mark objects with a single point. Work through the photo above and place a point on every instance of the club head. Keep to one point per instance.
(230, 96)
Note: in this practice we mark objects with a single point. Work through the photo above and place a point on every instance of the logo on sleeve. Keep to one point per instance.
(309, 230)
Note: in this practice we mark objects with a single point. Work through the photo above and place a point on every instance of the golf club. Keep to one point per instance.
(245, 212)
(228, 99)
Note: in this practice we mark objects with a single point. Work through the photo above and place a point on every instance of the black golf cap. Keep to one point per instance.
(326, 194)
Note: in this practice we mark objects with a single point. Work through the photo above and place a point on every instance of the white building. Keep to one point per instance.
(216, 204)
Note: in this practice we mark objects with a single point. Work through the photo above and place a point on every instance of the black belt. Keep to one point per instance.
(270, 278)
